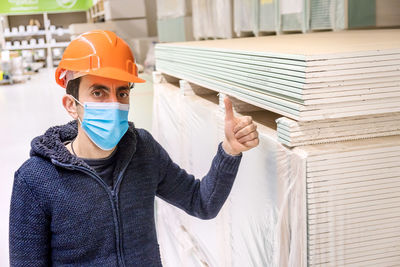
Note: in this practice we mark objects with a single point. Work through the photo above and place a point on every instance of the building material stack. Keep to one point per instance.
(174, 20)
(302, 198)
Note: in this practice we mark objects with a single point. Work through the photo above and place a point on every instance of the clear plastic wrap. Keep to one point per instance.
(212, 19)
(253, 228)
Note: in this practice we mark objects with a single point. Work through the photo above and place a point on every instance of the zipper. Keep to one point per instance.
(114, 202)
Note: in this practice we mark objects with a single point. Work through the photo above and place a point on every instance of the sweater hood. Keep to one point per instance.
(51, 146)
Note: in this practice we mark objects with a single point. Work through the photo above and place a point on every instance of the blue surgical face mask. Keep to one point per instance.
(105, 123)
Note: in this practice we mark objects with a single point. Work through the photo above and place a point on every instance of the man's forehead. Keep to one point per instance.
(91, 81)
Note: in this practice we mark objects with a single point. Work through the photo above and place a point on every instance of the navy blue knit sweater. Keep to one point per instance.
(63, 214)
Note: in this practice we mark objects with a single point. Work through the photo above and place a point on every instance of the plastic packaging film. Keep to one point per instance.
(253, 227)
(212, 19)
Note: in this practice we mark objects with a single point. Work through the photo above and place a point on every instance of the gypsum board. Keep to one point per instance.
(374, 155)
(352, 181)
(349, 89)
(352, 164)
(364, 167)
(326, 236)
(342, 188)
(361, 97)
(340, 83)
(361, 212)
(326, 228)
(315, 65)
(295, 86)
(243, 66)
(295, 58)
(275, 92)
(329, 114)
(351, 149)
(324, 133)
(295, 143)
(314, 48)
(298, 92)
(330, 225)
(348, 245)
(350, 175)
(354, 207)
(355, 256)
(360, 192)
(229, 58)
(387, 60)
(391, 261)
(357, 196)
(288, 75)
(378, 103)
(263, 77)
(354, 252)
(350, 93)
(291, 52)
(388, 261)
(223, 88)
(238, 78)
(264, 96)
(344, 203)
(294, 126)
(324, 137)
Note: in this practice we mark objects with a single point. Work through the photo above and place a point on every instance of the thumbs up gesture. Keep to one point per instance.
(240, 132)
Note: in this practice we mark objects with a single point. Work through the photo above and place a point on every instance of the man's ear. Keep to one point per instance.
(70, 106)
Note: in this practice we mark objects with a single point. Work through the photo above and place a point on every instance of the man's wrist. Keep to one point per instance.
(228, 149)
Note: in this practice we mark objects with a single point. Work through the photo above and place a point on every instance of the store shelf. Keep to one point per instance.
(60, 32)
(23, 47)
(24, 34)
(59, 44)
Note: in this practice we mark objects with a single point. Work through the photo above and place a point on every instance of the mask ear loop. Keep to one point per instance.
(79, 104)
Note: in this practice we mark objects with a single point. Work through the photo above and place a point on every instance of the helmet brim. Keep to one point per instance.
(116, 74)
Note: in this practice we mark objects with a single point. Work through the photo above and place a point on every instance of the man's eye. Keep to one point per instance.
(123, 95)
(97, 93)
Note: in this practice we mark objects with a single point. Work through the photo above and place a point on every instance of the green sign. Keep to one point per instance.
(33, 6)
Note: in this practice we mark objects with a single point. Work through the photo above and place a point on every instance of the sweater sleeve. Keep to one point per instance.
(201, 198)
(29, 228)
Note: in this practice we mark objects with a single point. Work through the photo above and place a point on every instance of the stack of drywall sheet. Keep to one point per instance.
(254, 16)
(267, 15)
(325, 13)
(327, 204)
(293, 133)
(353, 208)
(293, 15)
(174, 20)
(245, 16)
(124, 9)
(212, 19)
(305, 77)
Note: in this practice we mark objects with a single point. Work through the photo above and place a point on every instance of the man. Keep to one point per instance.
(86, 195)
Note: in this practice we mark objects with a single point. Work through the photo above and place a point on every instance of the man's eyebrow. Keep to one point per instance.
(99, 86)
(124, 87)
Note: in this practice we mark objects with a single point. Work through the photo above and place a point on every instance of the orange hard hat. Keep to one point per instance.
(100, 53)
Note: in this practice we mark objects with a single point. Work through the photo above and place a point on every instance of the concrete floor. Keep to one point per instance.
(27, 110)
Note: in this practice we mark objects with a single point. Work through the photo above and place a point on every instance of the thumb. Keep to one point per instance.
(228, 109)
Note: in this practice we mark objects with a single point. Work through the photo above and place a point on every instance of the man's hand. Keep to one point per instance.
(240, 133)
